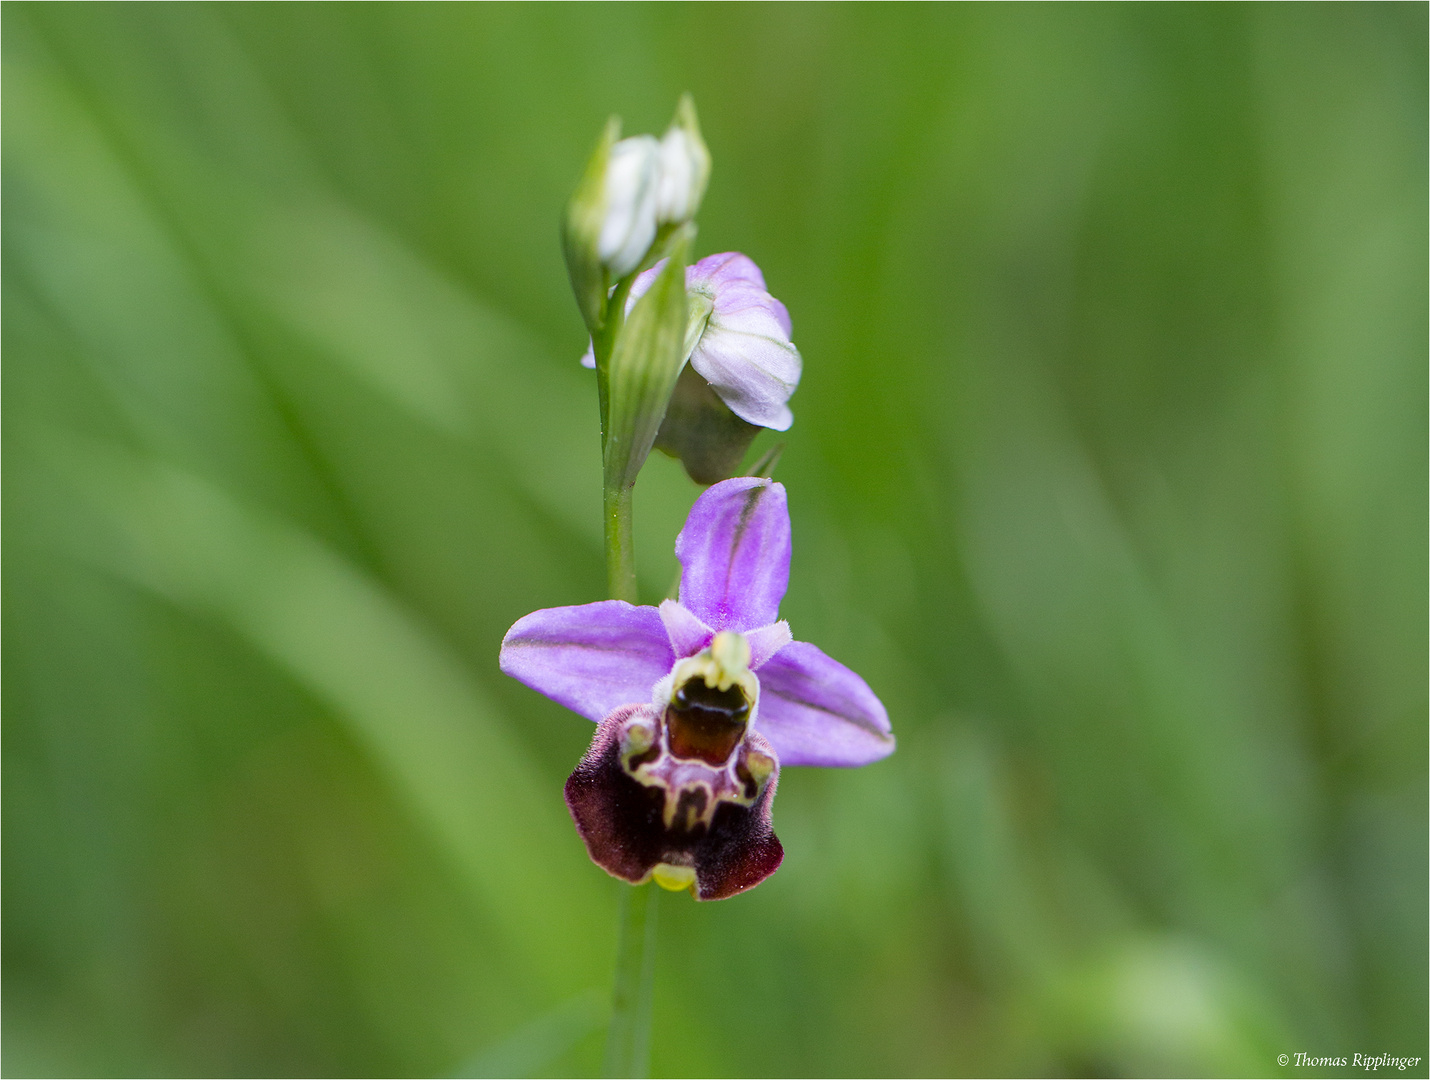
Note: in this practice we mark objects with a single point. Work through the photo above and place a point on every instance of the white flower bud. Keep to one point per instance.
(684, 172)
(629, 221)
(633, 196)
(684, 166)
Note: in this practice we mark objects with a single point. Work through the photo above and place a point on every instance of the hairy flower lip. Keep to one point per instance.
(635, 832)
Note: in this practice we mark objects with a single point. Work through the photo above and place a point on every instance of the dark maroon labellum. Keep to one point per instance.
(688, 809)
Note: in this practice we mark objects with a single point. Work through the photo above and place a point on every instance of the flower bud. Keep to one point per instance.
(745, 351)
(626, 210)
(628, 226)
(743, 366)
(684, 167)
(610, 220)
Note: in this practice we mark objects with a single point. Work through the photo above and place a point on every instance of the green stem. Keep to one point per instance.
(628, 1038)
(620, 546)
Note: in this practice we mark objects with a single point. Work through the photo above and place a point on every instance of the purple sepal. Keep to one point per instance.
(726, 270)
(592, 658)
(815, 711)
(623, 825)
(734, 553)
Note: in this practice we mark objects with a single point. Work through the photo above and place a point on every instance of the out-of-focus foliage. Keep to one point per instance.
(1108, 472)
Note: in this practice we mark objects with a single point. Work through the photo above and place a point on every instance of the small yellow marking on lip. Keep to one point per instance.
(674, 878)
(639, 738)
(761, 766)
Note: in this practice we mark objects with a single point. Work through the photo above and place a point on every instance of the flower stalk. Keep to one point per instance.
(628, 1037)
(620, 545)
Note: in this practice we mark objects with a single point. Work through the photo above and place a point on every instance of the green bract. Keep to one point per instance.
(641, 373)
(581, 230)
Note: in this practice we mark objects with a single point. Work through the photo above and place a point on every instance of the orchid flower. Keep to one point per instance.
(698, 703)
(739, 337)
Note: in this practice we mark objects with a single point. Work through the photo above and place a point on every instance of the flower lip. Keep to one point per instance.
(684, 822)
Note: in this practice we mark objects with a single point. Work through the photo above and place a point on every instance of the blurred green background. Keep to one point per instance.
(1108, 473)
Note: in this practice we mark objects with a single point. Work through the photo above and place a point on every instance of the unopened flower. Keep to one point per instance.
(684, 167)
(739, 337)
(699, 702)
(632, 187)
